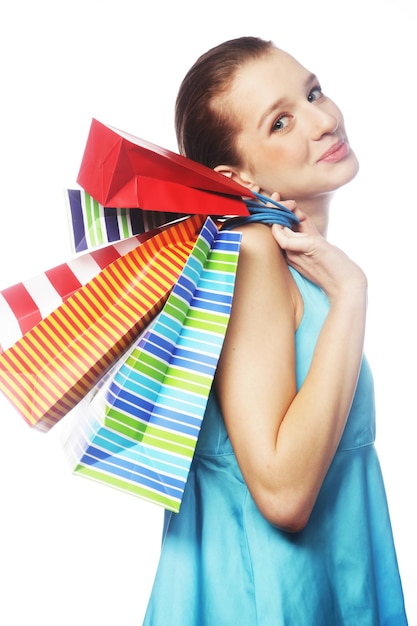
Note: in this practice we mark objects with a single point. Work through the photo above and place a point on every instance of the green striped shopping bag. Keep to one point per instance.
(142, 438)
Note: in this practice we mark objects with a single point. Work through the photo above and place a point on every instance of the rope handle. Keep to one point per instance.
(277, 214)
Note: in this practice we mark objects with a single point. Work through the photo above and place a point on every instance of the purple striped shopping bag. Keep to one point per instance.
(93, 225)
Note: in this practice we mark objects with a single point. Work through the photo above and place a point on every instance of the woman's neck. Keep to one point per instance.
(317, 210)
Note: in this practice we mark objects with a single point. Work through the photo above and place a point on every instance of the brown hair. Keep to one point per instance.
(205, 132)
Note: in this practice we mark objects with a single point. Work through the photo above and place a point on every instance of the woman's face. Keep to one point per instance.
(292, 137)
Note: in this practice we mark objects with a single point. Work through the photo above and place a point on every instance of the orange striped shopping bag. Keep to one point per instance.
(54, 365)
(25, 304)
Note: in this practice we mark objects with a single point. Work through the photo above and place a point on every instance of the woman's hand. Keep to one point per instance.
(315, 258)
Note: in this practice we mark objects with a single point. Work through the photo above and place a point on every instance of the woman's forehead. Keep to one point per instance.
(267, 79)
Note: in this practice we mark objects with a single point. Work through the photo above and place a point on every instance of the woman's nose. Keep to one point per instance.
(324, 122)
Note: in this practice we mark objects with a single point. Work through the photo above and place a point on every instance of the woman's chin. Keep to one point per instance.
(349, 168)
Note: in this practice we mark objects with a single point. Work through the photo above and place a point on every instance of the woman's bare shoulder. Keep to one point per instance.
(260, 249)
(263, 273)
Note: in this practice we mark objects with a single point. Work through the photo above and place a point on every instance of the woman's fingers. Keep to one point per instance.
(292, 241)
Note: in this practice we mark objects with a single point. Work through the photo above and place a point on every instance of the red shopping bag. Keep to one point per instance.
(120, 170)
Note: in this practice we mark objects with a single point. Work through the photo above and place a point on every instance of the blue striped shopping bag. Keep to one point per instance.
(142, 436)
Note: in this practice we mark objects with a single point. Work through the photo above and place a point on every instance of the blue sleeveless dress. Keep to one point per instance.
(223, 564)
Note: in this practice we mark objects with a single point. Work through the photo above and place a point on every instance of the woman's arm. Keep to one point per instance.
(285, 441)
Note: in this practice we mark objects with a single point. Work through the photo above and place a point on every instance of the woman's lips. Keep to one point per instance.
(336, 153)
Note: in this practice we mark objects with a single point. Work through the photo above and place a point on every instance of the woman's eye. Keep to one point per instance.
(314, 94)
(281, 122)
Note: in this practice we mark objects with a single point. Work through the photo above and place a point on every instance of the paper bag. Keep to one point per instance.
(48, 371)
(120, 170)
(25, 304)
(93, 225)
(140, 432)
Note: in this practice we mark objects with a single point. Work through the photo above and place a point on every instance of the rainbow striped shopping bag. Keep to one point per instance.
(141, 436)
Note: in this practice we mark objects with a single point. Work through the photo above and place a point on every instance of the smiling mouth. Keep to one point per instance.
(336, 153)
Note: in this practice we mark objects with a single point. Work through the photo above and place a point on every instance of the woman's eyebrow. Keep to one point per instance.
(277, 104)
(311, 78)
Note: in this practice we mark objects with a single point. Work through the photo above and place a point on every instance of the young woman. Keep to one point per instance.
(284, 520)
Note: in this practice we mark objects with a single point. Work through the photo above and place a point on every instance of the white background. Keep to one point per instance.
(73, 552)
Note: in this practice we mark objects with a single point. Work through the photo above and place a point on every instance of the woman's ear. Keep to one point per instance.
(237, 176)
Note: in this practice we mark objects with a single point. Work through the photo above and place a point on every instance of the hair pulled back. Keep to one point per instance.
(205, 132)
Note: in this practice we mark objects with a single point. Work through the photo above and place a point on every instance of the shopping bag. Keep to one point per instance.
(120, 170)
(93, 225)
(48, 371)
(140, 432)
(25, 304)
